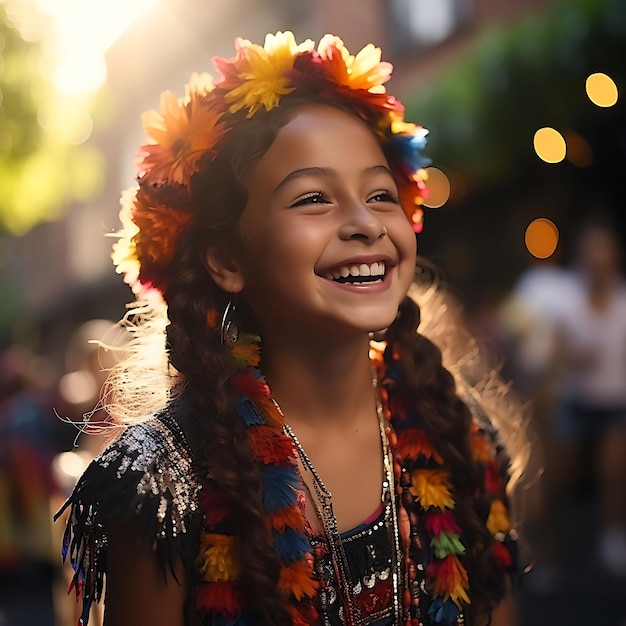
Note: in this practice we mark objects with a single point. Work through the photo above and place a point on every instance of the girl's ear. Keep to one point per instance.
(224, 267)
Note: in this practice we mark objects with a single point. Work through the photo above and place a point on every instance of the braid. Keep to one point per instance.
(431, 389)
(224, 454)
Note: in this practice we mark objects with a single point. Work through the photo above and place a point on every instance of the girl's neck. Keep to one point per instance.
(320, 385)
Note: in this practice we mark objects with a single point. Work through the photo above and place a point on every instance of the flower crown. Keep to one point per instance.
(186, 134)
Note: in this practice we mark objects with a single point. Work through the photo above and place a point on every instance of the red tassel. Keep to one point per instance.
(249, 386)
(270, 446)
(493, 483)
(219, 597)
(214, 505)
(413, 443)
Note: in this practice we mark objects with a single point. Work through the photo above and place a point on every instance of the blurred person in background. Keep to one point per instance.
(591, 359)
(567, 326)
(26, 486)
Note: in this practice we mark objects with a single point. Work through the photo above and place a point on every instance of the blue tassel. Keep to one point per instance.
(409, 147)
(249, 413)
(442, 612)
(291, 546)
(280, 487)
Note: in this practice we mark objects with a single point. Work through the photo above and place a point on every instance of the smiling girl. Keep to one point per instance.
(285, 468)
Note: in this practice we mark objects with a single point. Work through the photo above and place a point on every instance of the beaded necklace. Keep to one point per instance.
(322, 502)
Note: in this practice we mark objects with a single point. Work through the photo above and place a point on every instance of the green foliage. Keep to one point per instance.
(19, 130)
(483, 112)
(40, 171)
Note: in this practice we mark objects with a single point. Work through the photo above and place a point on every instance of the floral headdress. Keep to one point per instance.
(186, 134)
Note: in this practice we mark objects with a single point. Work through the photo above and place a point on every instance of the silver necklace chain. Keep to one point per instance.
(322, 502)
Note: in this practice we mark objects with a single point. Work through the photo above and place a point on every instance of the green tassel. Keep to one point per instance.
(445, 544)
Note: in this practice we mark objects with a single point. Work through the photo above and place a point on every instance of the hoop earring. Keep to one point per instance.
(229, 330)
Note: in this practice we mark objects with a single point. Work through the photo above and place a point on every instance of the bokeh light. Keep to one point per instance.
(601, 89)
(438, 188)
(549, 145)
(77, 34)
(542, 238)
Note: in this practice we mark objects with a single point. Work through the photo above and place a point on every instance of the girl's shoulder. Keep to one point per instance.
(146, 470)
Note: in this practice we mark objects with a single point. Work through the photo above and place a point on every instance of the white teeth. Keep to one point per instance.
(373, 269)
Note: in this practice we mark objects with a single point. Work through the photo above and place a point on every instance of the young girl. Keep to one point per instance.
(288, 468)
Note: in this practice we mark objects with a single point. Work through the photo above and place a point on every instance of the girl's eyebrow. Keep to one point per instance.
(305, 172)
(308, 172)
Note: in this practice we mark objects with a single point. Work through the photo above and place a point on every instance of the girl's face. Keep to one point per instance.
(325, 247)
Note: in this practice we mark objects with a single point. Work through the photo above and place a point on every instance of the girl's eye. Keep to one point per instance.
(315, 197)
(384, 196)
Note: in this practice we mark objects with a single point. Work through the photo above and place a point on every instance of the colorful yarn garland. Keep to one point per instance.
(419, 468)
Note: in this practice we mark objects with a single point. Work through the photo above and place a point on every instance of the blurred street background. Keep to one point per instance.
(526, 222)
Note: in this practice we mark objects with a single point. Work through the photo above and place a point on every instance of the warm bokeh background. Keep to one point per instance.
(526, 149)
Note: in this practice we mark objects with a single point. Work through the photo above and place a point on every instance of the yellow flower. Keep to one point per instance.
(179, 135)
(217, 560)
(399, 126)
(498, 520)
(432, 488)
(264, 80)
(198, 85)
(363, 71)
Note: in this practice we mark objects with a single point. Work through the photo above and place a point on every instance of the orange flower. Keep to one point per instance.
(159, 227)
(432, 487)
(179, 135)
(363, 71)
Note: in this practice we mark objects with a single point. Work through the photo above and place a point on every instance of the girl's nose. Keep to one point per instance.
(362, 224)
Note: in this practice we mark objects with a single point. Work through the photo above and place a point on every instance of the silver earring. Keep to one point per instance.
(229, 330)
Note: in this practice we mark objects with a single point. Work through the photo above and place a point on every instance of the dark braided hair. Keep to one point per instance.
(430, 389)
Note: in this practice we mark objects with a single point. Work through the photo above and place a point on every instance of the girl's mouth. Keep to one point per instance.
(358, 274)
